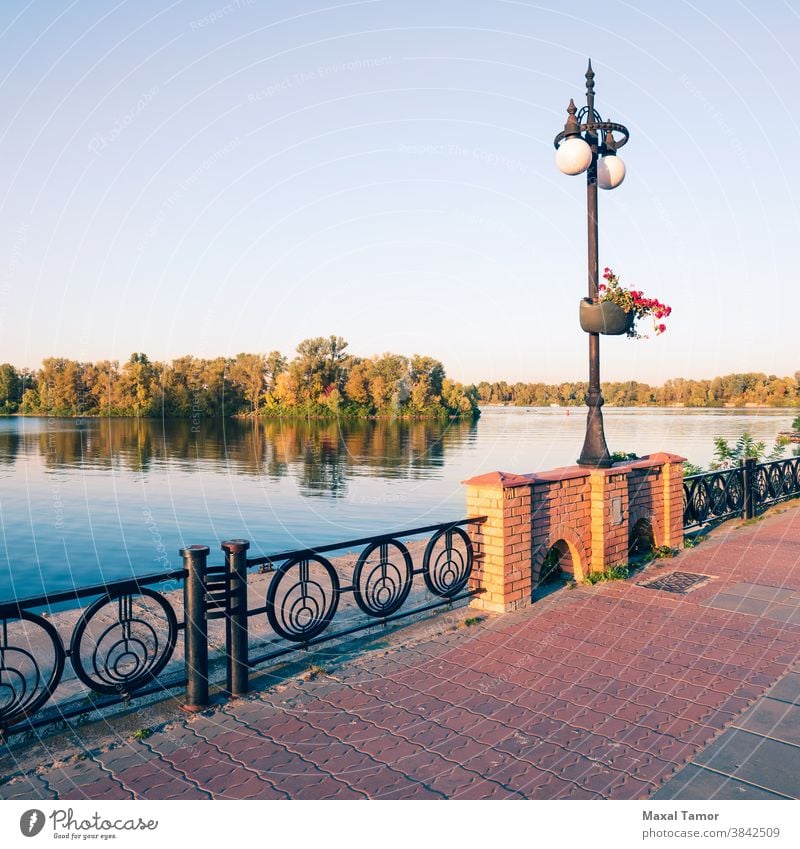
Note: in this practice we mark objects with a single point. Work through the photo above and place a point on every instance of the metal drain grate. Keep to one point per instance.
(677, 582)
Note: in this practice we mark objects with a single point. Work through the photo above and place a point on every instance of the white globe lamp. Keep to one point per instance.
(573, 156)
(610, 172)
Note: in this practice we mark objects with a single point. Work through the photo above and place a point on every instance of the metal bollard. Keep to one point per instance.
(238, 668)
(196, 627)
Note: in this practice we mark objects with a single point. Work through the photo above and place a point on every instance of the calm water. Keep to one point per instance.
(82, 502)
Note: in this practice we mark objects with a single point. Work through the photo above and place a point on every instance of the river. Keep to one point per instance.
(82, 501)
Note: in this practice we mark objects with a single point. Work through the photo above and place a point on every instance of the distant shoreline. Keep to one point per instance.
(580, 404)
(294, 417)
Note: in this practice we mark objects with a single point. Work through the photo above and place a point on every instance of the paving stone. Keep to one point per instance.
(695, 782)
(755, 759)
(787, 689)
(542, 784)
(750, 606)
(254, 787)
(123, 757)
(102, 788)
(318, 787)
(458, 782)
(157, 779)
(772, 718)
(627, 787)
(73, 776)
(28, 786)
(585, 695)
(760, 591)
(785, 613)
(410, 791)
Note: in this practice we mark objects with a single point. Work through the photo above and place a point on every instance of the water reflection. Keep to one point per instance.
(321, 456)
(99, 499)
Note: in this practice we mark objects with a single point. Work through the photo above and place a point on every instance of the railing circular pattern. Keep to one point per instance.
(447, 562)
(717, 497)
(23, 689)
(760, 485)
(775, 481)
(381, 587)
(789, 474)
(302, 598)
(712, 496)
(128, 653)
(698, 500)
(735, 497)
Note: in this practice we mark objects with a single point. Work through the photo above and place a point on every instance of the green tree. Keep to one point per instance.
(10, 388)
(426, 377)
(249, 372)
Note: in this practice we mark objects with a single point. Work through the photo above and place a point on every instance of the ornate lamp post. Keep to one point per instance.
(585, 138)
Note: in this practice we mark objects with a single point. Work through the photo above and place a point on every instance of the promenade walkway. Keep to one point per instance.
(597, 692)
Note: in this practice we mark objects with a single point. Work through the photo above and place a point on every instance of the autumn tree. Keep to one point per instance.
(426, 376)
(249, 371)
(135, 387)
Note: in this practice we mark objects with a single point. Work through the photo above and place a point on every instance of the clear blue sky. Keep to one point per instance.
(207, 177)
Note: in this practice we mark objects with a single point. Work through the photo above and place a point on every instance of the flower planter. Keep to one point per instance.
(605, 317)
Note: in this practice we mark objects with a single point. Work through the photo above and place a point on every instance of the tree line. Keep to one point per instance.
(733, 390)
(321, 380)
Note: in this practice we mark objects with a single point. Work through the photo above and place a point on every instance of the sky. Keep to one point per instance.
(207, 177)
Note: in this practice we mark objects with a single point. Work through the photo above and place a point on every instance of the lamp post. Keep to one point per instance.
(585, 138)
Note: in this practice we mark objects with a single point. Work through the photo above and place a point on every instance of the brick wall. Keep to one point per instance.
(589, 513)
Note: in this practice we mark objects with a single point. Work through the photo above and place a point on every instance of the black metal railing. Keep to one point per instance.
(743, 491)
(121, 644)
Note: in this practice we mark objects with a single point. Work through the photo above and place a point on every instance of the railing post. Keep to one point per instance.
(195, 627)
(236, 637)
(749, 476)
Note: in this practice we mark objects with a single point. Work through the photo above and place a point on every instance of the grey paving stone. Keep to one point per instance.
(775, 719)
(695, 782)
(787, 689)
(761, 591)
(789, 613)
(28, 786)
(767, 763)
(753, 606)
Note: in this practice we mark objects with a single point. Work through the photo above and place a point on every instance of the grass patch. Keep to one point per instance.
(663, 552)
(752, 521)
(615, 573)
(142, 734)
(313, 672)
(693, 542)
(467, 623)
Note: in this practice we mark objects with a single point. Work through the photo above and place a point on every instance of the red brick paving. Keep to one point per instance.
(599, 692)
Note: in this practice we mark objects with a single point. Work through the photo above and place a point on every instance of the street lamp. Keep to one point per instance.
(578, 148)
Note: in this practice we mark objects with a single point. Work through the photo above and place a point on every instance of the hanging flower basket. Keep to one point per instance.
(605, 317)
(618, 309)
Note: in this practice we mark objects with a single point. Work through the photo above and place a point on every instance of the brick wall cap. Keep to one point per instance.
(509, 479)
(562, 473)
(501, 479)
(660, 458)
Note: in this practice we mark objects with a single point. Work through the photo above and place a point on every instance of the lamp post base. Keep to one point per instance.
(595, 451)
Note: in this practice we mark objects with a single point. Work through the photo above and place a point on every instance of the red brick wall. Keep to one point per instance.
(592, 511)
